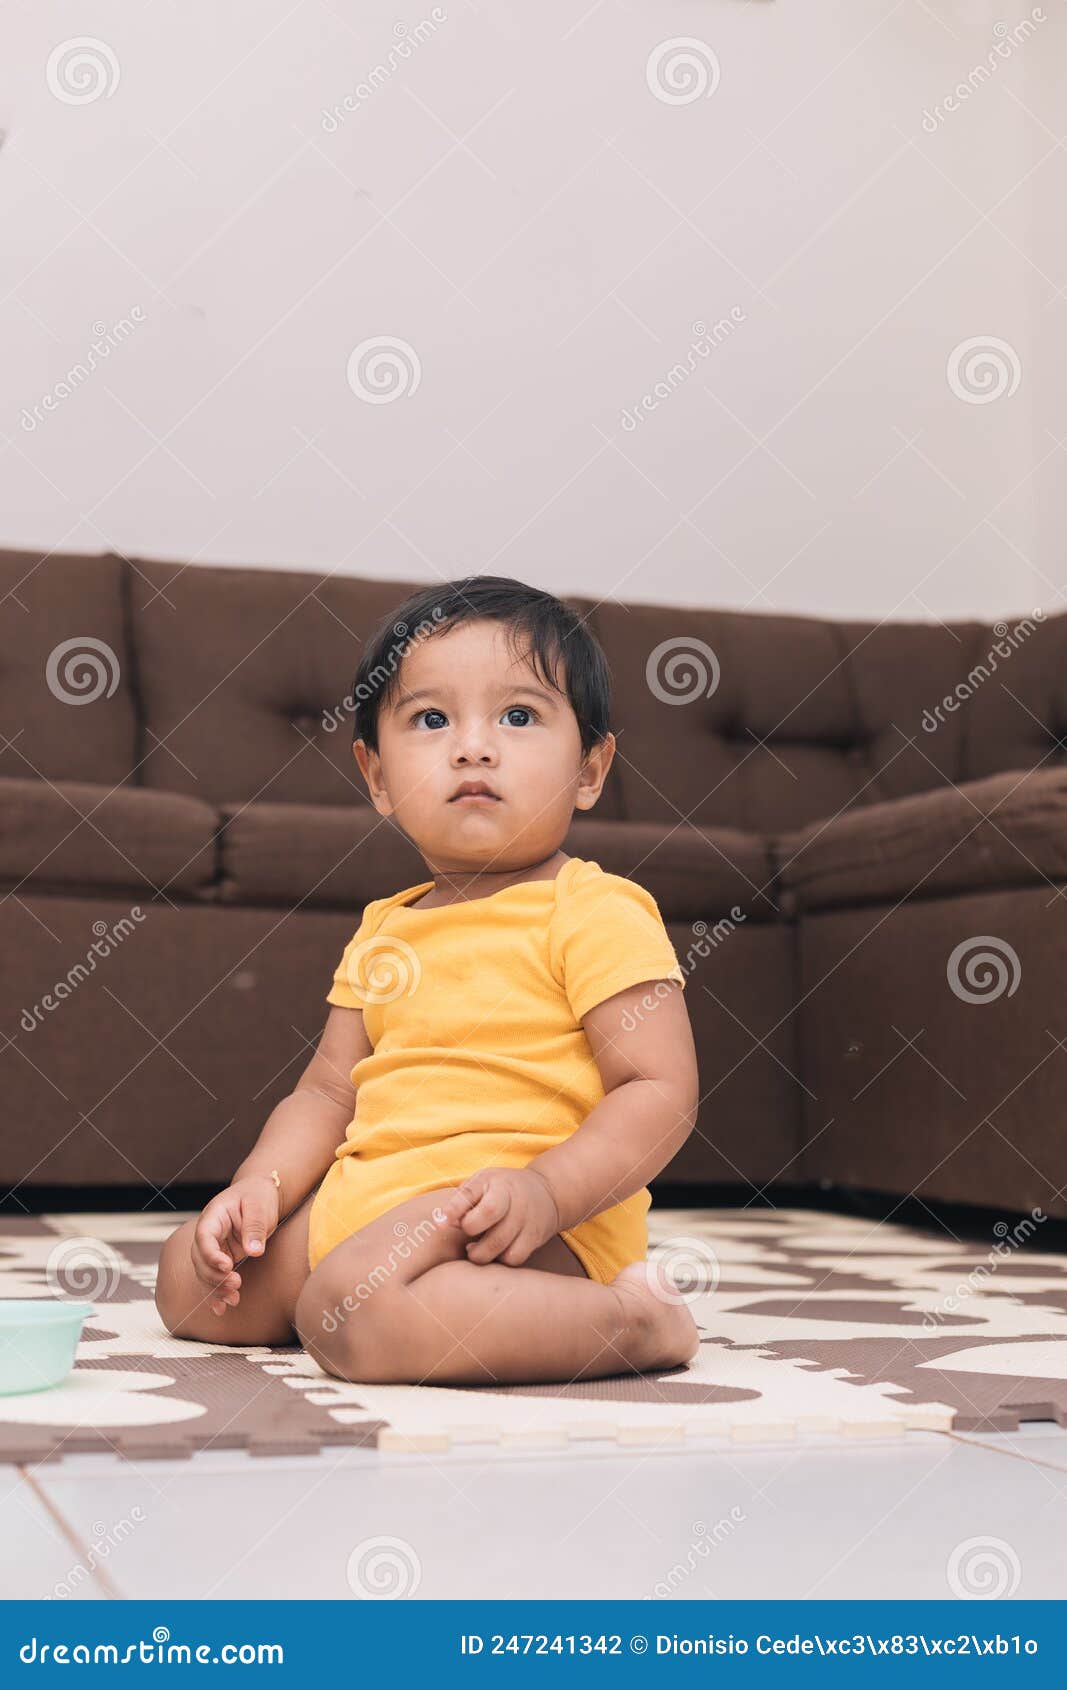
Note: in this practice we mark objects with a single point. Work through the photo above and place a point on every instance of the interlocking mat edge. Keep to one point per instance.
(810, 1323)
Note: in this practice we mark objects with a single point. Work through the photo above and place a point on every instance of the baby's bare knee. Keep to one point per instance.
(352, 1336)
(174, 1273)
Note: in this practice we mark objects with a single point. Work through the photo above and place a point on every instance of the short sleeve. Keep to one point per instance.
(607, 935)
(347, 973)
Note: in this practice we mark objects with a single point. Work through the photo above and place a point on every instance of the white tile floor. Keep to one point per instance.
(817, 1519)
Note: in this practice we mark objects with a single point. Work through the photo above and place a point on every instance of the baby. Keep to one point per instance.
(454, 1192)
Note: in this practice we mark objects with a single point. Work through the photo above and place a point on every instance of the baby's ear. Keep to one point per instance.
(370, 767)
(598, 761)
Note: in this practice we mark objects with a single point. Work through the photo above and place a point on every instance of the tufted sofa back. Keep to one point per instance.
(67, 709)
(799, 717)
(243, 676)
(230, 684)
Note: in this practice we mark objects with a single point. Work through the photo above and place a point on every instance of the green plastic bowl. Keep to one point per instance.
(38, 1338)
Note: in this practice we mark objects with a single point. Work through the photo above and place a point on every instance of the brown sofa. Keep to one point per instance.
(186, 845)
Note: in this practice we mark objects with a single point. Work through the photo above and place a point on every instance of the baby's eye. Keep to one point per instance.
(514, 709)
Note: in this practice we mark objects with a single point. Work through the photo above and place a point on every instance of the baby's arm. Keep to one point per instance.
(303, 1131)
(298, 1140)
(648, 1068)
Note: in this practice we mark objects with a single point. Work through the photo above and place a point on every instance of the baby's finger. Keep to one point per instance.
(488, 1211)
(494, 1242)
(227, 1294)
(209, 1267)
(520, 1249)
(254, 1225)
(211, 1237)
(215, 1283)
(454, 1204)
(208, 1250)
(472, 1188)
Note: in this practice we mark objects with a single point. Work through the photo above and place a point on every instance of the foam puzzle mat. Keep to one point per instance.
(809, 1322)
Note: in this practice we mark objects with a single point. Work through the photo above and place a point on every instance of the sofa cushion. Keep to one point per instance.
(246, 680)
(766, 722)
(244, 677)
(77, 836)
(692, 872)
(66, 694)
(930, 1057)
(1013, 697)
(342, 856)
(332, 856)
(1008, 830)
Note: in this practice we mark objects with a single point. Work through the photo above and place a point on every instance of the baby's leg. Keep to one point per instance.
(270, 1286)
(398, 1302)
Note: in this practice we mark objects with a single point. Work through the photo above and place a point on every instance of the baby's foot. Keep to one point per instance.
(664, 1333)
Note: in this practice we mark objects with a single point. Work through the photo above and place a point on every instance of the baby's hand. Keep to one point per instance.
(512, 1209)
(236, 1222)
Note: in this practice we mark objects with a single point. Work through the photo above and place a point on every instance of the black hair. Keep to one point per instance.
(551, 629)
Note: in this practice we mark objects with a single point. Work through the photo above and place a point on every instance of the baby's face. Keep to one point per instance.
(466, 711)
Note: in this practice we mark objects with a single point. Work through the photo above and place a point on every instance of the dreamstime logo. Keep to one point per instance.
(406, 42)
(87, 1267)
(704, 343)
(702, 1542)
(406, 640)
(702, 947)
(104, 1540)
(682, 70)
(984, 1567)
(161, 1650)
(382, 369)
(81, 70)
(381, 969)
(974, 1282)
(982, 369)
(690, 669)
(383, 1568)
(683, 1267)
(1007, 39)
(1008, 640)
(100, 348)
(107, 940)
(81, 670)
(399, 1251)
(990, 967)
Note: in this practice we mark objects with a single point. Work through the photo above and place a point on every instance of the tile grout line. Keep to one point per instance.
(70, 1535)
(1020, 1455)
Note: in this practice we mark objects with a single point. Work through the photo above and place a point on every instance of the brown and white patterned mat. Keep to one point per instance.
(811, 1323)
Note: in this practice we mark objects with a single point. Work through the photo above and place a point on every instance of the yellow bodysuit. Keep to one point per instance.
(474, 1012)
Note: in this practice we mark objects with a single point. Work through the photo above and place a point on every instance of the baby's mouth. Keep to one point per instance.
(474, 792)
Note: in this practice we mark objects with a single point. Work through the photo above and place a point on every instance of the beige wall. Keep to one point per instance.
(512, 200)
